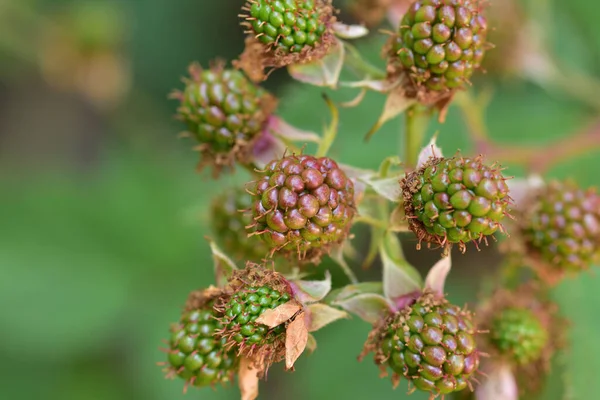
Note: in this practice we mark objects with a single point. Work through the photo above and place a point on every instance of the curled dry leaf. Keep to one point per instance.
(248, 379)
(431, 150)
(296, 338)
(277, 316)
(311, 291)
(436, 277)
(349, 31)
(321, 315)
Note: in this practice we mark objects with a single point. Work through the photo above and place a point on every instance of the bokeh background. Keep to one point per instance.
(103, 218)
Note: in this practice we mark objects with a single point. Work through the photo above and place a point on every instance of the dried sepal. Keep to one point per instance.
(248, 377)
(277, 316)
(296, 338)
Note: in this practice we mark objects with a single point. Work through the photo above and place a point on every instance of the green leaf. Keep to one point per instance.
(337, 255)
(322, 315)
(349, 291)
(223, 265)
(323, 72)
(399, 277)
(311, 291)
(388, 187)
(370, 307)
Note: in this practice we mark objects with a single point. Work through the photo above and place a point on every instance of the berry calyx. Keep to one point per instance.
(561, 226)
(302, 205)
(518, 334)
(195, 353)
(454, 200)
(225, 113)
(438, 46)
(430, 342)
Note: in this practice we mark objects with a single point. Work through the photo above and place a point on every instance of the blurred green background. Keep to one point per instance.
(102, 216)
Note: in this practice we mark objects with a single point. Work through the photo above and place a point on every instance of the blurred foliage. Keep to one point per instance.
(102, 217)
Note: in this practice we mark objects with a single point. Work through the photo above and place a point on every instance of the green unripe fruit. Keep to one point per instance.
(195, 353)
(453, 200)
(288, 26)
(518, 334)
(225, 112)
(562, 226)
(242, 310)
(302, 205)
(430, 343)
(442, 31)
(229, 221)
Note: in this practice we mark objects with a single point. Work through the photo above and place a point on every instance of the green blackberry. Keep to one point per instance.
(225, 112)
(431, 343)
(229, 222)
(453, 200)
(518, 334)
(195, 353)
(561, 227)
(440, 43)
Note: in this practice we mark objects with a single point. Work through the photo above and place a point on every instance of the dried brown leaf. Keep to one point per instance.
(279, 315)
(248, 379)
(296, 338)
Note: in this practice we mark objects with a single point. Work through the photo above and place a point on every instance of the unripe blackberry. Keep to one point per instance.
(195, 353)
(518, 334)
(229, 223)
(285, 32)
(431, 343)
(525, 330)
(244, 307)
(562, 226)
(440, 43)
(225, 112)
(454, 200)
(302, 204)
(253, 291)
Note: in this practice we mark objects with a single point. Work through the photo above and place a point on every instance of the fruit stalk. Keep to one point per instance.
(415, 126)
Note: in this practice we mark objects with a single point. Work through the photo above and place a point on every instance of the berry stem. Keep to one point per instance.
(415, 126)
(330, 132)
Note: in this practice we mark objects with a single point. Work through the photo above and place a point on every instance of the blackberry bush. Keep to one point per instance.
(299, 206)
